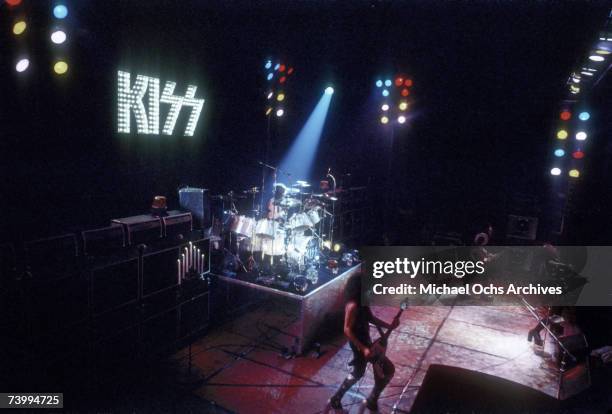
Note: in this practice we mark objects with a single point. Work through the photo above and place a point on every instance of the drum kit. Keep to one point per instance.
(290, 234)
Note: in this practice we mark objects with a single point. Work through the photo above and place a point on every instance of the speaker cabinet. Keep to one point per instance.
(114, 285)
(103, 241)
(140, 229)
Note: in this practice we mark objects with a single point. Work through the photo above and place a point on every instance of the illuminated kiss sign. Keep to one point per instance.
(130, 98)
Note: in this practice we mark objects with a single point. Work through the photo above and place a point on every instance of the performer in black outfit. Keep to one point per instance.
(356, 327)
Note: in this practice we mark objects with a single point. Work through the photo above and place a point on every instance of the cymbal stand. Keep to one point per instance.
(333, 212)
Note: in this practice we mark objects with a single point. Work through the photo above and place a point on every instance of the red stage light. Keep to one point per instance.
(282, 79)
(289, 71)
(578, 155)
(405, 92)
(281, 68)
(13, 2)
(565, 115)
(399, 82)
(408, 82)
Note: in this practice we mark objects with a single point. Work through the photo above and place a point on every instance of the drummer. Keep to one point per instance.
(275, 211)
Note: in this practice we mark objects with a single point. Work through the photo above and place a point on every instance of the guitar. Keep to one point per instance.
(379, 347)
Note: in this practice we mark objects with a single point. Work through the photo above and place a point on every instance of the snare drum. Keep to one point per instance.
(243, 225)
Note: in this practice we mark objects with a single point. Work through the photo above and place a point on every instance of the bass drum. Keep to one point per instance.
(301, 249)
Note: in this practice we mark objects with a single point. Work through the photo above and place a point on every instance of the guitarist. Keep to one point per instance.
(356, 327)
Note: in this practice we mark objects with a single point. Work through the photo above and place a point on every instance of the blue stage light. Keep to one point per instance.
(559, 152)
(379, 83)
(584, 116)
(300, 158)
(268, 64)
(329, 90)
(388, 82)
(385, 92)
(270, 76)
(60, 11)
(277, 66)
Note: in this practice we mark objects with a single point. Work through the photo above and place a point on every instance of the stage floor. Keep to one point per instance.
(243, 371)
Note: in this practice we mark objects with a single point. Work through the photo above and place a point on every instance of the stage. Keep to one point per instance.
(242, 371)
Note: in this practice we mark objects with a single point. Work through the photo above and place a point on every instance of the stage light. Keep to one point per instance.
(60, 67)
(281, 68)
(596, 58)
(282, 79)
(22, 65)
(58, 37)
(603, 52)
(399, 82)
(565, 115)
(555, 171)
(581, 136)
(574, 173)
(379, 83)
(405, 92)
(329, 90)
(578, 155)
(289, 71)
(584, 116)
(268, 111)
(408, 82)
(385, 107)
(401, 119)
(19, 27)
(13, 3)
(277, 66)
(385, 93)
(270, 95)
(384, 120)
(559, 152)
(268, 64)
(388, 82)
(403, 105)
(60, 11)
(280, 97)
(574, 89)
(327, 244)
(562, 134)
(280, 113)
(270, 76)
(584, 72)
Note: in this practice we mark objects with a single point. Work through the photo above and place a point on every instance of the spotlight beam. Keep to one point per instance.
(298, 161)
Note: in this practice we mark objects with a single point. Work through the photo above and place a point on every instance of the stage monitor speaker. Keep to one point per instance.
(197, 202)
(522, 227)
(145, 228)
(461, 391)
(103, 241)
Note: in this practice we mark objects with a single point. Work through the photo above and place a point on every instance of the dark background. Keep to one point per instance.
(489, 77)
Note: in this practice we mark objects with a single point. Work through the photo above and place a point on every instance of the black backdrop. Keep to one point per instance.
(488, 80)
